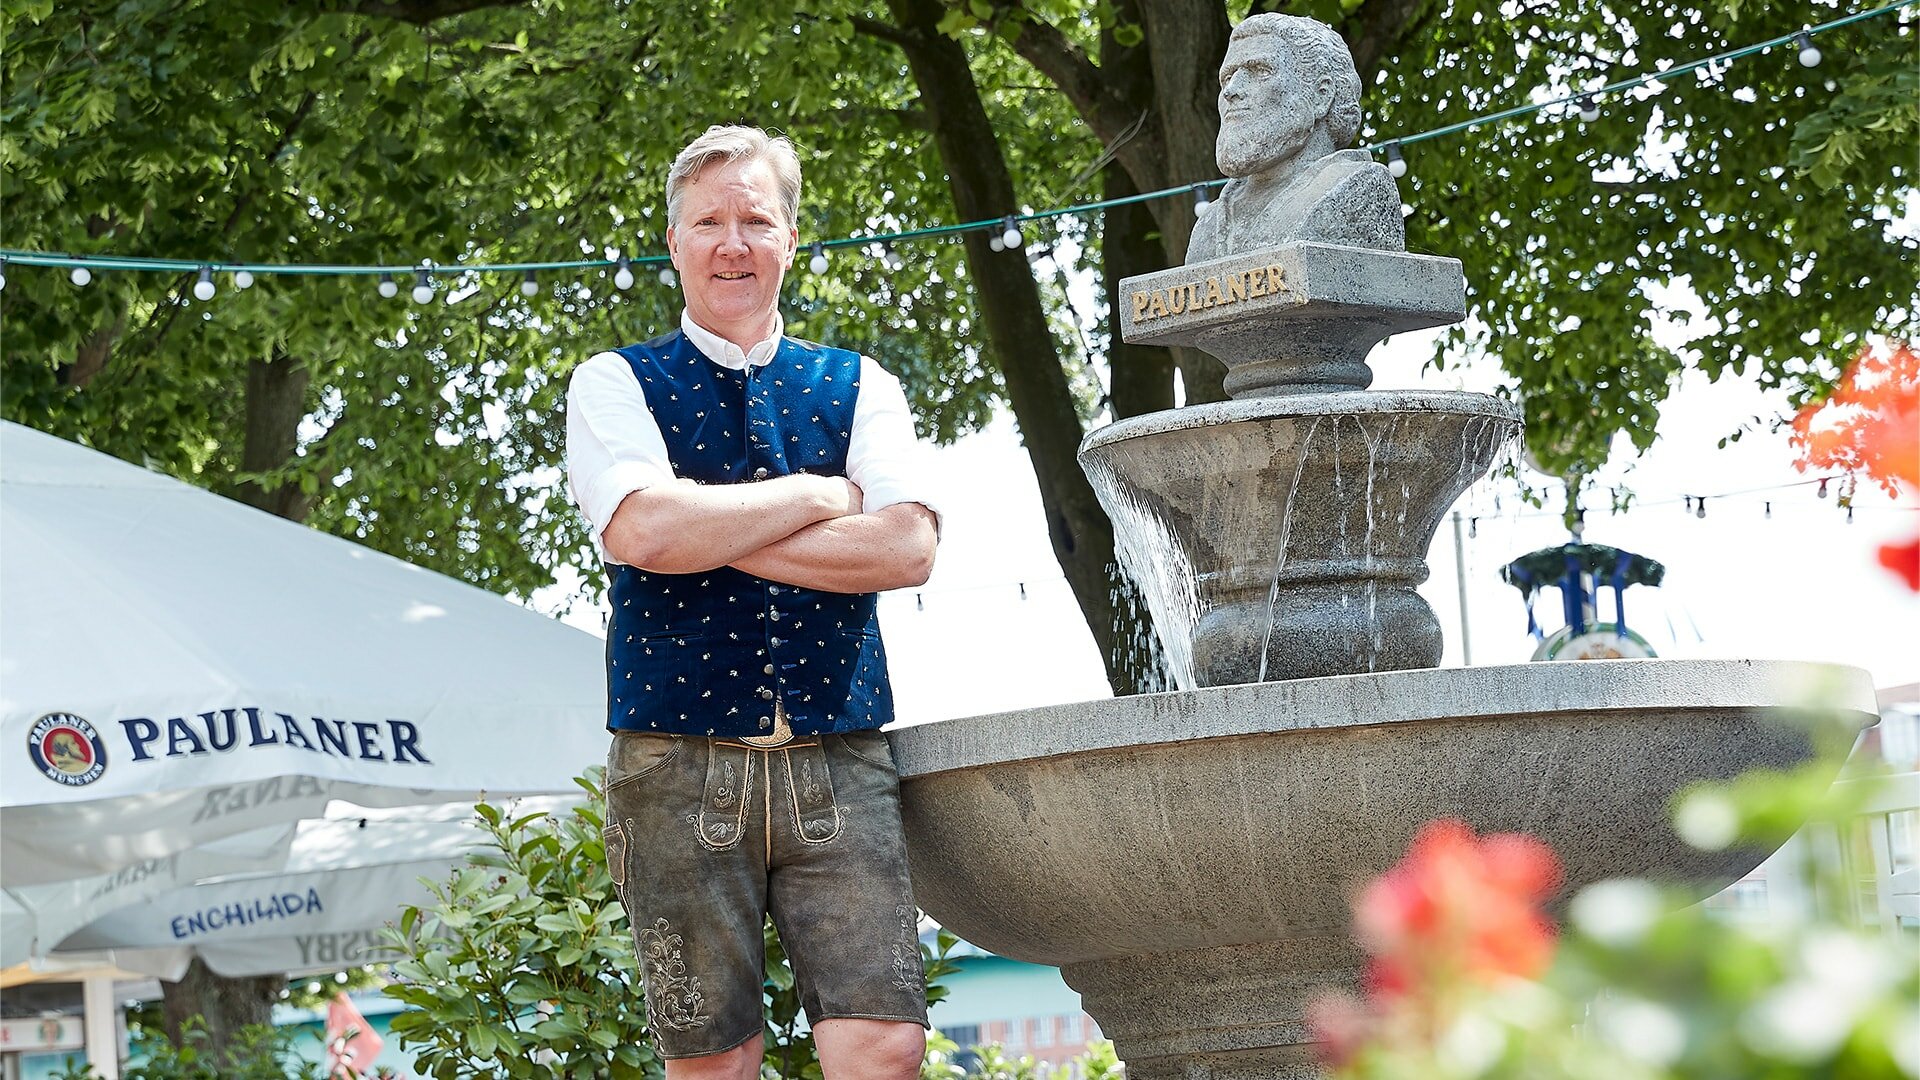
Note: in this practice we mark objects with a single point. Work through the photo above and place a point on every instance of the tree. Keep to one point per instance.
(472, 130)
(1570, 232)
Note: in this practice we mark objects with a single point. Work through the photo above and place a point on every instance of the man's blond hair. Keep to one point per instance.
(734, 142)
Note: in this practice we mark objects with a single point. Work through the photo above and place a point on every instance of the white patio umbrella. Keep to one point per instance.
(33, 917)
(346, 878)
(177, 667)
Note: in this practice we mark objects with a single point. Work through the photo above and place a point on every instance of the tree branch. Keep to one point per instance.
(886, 31)
(1052, 54)
(1377, 29)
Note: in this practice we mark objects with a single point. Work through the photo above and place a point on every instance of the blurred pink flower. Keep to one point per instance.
(1458, 907)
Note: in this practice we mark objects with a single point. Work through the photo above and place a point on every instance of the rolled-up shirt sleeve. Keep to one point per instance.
(614, 447)
(884, 456)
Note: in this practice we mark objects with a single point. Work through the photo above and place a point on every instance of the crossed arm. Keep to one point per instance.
(802, 530)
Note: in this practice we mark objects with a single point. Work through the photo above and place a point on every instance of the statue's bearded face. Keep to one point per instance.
(1268, 107)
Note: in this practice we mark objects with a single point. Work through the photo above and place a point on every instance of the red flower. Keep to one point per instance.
(1458, 907)
(1903, 559)
(1871, 424)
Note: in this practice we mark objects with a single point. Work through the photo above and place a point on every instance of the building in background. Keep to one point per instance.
(1025, 1009)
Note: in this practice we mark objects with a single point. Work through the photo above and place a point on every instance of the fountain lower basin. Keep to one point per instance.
(1188, 858)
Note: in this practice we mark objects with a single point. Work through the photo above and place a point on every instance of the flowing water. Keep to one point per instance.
(1186, 533)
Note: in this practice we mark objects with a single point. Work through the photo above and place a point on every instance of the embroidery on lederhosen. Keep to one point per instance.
(816, 817)
(723, 803)
(674, 1000)
(908, 973)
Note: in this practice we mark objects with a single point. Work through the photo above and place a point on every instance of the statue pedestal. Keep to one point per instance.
(1295, 319)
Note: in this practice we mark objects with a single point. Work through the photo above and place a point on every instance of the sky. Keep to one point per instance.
(1802, 584)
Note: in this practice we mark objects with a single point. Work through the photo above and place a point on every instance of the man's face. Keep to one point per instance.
(732, 247)
(1266, 113)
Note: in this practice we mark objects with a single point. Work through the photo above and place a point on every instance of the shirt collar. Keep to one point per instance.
(726, 353)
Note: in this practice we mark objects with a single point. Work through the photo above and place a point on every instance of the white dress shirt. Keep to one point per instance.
(614, 446)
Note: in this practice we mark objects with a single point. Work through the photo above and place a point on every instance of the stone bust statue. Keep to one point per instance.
(1289, 107)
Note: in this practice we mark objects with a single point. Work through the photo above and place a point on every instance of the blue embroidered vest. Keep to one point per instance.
(711, 653)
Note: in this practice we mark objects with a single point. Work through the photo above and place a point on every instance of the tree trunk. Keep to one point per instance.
(225, 1004)
(276, 399)
(1018, 335)
(1141, 376)
(275, 402)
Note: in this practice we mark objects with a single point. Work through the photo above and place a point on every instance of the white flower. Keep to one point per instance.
(1847, 964)
(1648, 1033)
(1905, 1048)
(1800, 1022)
(1472, 1045)
(1707, 820)
(1617, 912)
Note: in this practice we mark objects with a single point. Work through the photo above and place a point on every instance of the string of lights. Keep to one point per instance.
(1841, 487)
(1004, 233)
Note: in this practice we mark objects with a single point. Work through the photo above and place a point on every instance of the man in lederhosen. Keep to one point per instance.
(751, 492)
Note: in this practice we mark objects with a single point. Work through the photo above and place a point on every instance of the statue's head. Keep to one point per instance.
(1284, 79)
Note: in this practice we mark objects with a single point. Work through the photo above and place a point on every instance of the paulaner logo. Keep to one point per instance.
(224, 730)
(66, 749)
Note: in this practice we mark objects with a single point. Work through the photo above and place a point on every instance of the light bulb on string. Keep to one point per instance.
(1396, 161)
(1010, 238)
(3, 275)
(668, 277)
(388, 288)
(1822, 492)
(529, 285)
(422, 287)
(1200, 198)
(1686, 505)
(1767, 510)
(80, 276)
(892, 258)
(1700, 506)
(818, 263)
(623, 277)
(1589, 108)
(243, 279)
(1473, 528)
(203, 289)
(1809, 53)
(994, 242)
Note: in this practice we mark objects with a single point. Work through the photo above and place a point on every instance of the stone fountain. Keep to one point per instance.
(1187, 859)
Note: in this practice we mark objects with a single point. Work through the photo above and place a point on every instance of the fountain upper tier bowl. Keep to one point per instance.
(1187, 858)
(1283, 537)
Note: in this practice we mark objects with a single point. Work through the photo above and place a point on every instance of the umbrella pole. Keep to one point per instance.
(100, 1018)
